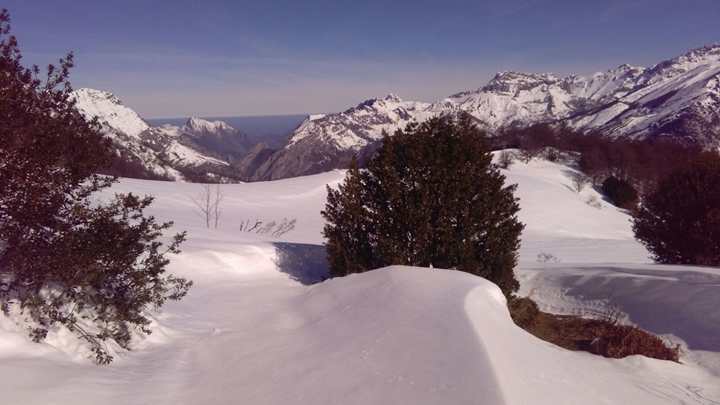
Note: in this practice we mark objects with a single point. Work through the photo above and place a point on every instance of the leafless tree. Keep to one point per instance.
(208, 203)
(218, 198)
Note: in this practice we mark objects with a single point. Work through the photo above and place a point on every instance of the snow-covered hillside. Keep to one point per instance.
(250, 331)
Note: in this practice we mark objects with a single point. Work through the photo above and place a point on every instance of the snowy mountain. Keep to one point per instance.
(678, 98)
(199, 150)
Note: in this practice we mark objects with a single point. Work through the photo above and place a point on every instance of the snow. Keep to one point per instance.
(110, 110)
(188, 156)
(252, 331)
(357, 127)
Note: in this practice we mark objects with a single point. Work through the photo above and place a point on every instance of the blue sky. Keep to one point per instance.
(220, 58)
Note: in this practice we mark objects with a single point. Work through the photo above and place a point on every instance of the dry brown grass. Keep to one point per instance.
(598, 336)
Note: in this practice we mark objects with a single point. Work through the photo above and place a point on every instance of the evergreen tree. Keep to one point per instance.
(430, 197)
(348, 229)
(679, 222)
(65, 259)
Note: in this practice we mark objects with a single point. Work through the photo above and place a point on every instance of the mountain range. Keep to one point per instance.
(677, 98)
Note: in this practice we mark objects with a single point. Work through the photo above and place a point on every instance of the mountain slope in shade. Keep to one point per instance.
(217, 138)
(678, 98)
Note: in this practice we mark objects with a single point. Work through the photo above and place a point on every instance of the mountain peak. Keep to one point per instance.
(389, 98)
(109, 110)
(711, 50)
(509, 81)
(392, 98)
(96, 95)
(200, 125)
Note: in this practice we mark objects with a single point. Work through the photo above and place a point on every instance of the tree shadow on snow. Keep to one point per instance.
(304, 263)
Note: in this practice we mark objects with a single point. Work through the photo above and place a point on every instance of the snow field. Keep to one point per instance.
(250, 332)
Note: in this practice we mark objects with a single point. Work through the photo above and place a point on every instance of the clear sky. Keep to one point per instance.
(219, 58)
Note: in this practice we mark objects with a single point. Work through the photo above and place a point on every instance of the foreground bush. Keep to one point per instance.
(431, 197)
(679, 221)
(604, 337)
(64, 261)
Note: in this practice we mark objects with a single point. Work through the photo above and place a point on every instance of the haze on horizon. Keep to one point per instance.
(226, 58)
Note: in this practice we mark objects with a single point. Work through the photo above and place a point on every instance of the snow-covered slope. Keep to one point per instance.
(251, 332)
(677, 98)
(110, 111)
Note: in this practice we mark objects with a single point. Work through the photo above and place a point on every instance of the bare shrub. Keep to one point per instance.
(594, 202)
(544, 257)
(579, 181)
(273, 228)
(526, 155)
(505, 159)
(208, 204)
(284, 227)
(618, 341)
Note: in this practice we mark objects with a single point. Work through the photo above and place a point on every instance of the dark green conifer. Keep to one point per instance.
(679, 221)
(67, 259)
(430, 197)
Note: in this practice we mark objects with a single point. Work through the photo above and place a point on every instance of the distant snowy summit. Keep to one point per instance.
(678, 98)
(199, 126)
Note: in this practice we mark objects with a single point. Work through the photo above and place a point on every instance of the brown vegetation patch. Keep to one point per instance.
(603, 337)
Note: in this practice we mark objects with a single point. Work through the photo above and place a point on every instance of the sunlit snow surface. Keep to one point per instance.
(251, 332)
